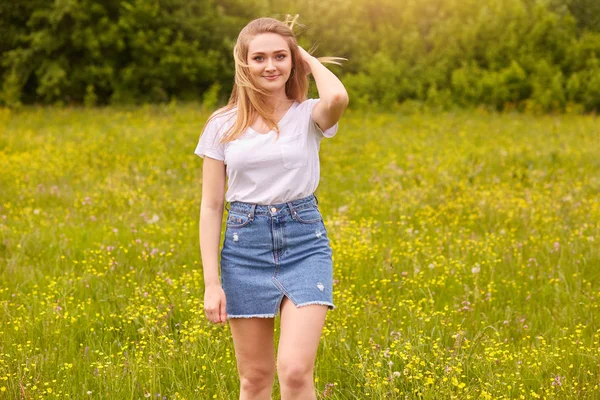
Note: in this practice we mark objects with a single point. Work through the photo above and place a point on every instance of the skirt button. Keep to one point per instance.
(273, 209)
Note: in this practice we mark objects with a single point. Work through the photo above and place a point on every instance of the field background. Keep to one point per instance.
(461, 196)
(466, 257)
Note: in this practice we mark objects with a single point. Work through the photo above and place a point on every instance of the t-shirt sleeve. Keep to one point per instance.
(209, 142)
(329, 133)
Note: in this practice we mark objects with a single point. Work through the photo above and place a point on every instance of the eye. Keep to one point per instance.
(257, 58)
(282, 56)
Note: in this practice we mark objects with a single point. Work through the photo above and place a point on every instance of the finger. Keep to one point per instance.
(210, 315)
(223, 311)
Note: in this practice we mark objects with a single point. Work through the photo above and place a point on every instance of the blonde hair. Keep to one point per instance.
(249, 99)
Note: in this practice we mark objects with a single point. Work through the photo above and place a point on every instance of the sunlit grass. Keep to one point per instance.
(466, 257)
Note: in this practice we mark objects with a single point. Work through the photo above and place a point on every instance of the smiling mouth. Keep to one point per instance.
(271, 77)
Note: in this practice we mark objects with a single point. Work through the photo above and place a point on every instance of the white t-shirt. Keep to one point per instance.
(261, 170)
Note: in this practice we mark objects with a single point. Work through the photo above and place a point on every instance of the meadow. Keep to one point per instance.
(466, 257)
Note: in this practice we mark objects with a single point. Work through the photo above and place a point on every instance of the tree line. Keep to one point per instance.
(504, 54)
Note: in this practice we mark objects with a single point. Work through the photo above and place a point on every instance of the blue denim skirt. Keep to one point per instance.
(271, 251)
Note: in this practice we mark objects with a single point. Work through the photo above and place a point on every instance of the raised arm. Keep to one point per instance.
(332, 93)
(211, 217)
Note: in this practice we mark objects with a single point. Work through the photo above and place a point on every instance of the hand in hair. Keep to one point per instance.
(306, 58)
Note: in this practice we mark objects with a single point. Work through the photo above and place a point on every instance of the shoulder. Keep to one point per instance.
(222, 116)
(308, 103)
(305, 108)
(221, 119)
(307, 112)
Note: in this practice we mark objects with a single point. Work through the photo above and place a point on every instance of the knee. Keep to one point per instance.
(294, 374)
(256, 379)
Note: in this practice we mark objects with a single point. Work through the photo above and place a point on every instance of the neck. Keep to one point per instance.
(279, 101)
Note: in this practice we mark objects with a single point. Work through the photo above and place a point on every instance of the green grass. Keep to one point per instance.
(466, 257)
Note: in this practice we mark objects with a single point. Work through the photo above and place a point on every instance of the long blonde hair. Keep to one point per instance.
(249, 99)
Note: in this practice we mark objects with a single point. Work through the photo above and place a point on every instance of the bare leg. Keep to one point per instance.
(298, 344)
(255, 355)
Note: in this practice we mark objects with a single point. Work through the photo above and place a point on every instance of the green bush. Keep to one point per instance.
(526, 54)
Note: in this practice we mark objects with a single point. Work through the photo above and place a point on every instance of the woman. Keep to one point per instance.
(276, 255)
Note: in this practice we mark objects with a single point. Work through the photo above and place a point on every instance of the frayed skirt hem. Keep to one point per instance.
(323, 303)
(252, 316)
(331, 306)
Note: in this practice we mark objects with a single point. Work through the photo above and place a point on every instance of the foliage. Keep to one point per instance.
(504, 54)
(138, 51)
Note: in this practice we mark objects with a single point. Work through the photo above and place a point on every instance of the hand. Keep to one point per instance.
(214, 304)
(306, 58)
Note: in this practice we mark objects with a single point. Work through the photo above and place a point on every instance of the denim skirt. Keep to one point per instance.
(271, 251)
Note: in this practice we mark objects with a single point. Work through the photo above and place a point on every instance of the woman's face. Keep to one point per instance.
(270, 61)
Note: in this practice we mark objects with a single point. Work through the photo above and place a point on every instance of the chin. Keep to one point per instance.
(273, 88)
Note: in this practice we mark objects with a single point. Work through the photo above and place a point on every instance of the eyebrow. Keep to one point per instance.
(275, 52)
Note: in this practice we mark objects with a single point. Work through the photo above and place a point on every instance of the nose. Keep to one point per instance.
(270, 65)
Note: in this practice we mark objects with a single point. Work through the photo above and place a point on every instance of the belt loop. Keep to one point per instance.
(292, 209)
(316, 198)
(252, 209)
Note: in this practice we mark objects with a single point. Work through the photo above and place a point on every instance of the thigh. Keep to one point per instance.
(253, 343)
(301, 329)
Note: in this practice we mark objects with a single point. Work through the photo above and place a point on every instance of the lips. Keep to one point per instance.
(271, 77)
